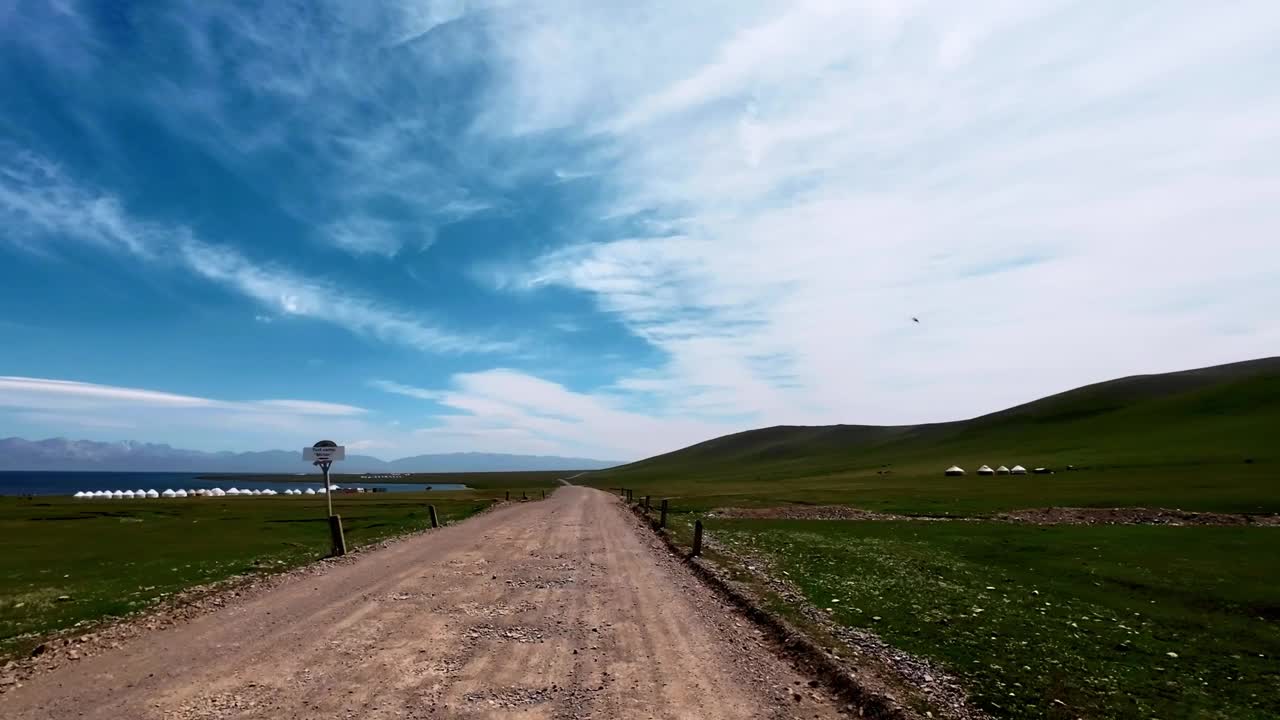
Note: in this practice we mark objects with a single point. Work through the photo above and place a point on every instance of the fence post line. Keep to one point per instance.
(339, 542)
(524, 495)
(646, 503)
(662, 522)
(508, 495)
(431, 510)
(697, 538)
(544, 494)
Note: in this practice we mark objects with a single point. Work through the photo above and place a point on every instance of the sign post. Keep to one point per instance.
(322, 455)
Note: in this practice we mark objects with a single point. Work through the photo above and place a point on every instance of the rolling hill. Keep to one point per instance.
(1225, 416)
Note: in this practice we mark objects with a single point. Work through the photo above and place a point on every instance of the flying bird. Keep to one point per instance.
(916, 319)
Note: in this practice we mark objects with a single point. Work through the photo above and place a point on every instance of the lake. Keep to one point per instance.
(69, 483)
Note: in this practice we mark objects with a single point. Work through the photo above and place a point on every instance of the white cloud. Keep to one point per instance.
(35, 406)
(51, 394)
(1063, 193)
(364, 236)
(510, 411)
(406, 390)
(39, 204)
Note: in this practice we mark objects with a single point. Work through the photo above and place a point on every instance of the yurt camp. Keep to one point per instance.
(986, 470)
(954, 471)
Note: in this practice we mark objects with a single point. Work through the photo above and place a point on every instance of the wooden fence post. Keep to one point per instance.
(662, 522)
(431, 510)
(544, 494)
(646, 503)
(524, 495)
(335, 534)
(697, 538)
(508, 495)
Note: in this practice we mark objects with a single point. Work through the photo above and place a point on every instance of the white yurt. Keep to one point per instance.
(180, 493)
(139, 493)
(310, 491)
(1002, 470)
(986, 470)
(117, 495)
(152, 493)
(128, 494)
(233, 491)
(79, 494)
(169, 493)
(954, 471)
(218, 492)
(255, 492)
(1018, 470)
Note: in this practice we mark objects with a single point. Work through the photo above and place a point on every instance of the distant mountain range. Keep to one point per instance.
(65, 455)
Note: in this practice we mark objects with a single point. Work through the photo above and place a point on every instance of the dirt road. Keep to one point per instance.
(562, 608)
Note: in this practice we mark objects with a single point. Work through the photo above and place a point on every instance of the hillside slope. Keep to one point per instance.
(1221, 414)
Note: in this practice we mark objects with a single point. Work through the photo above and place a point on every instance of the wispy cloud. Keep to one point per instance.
(39, 204)
(406, 390)
(1039, 181)
(359, 86)
(52, 394)
(112, 412)
(507, 408)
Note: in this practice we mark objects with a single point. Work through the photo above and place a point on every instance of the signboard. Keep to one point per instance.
(324, 453)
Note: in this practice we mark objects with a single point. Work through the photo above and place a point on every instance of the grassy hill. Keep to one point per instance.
(1201, 438)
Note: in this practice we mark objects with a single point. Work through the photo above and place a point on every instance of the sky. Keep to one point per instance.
(612, 229)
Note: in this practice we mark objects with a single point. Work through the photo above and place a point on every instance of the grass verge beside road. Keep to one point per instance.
(65, 561)
(1053, 621)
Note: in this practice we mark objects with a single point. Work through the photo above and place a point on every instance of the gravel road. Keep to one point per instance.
(564, 608)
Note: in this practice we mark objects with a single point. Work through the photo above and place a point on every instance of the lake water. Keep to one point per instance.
(69, 483)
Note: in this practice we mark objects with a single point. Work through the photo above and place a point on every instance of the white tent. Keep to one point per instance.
(128, 493)
(954, 470)
(1018, 470)
(79, 494)
(310, 492)
(180, 493)
(986, 470)
(255, 492)
(1002, 470)
(233, 491)
(152, 493)
(168, 493)
(218, 492)
(139, 493)
(117, 495)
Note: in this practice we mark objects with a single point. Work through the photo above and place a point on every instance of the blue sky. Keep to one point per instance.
(614, 229)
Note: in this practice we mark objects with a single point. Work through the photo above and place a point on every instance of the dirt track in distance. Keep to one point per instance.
(562, 608)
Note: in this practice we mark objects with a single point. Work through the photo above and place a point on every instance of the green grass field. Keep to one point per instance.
(113, 558)
(1054, 622)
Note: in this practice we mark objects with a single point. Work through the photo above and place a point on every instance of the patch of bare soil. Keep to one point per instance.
(1133, 516)
(802, 512)
(1035, 516)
